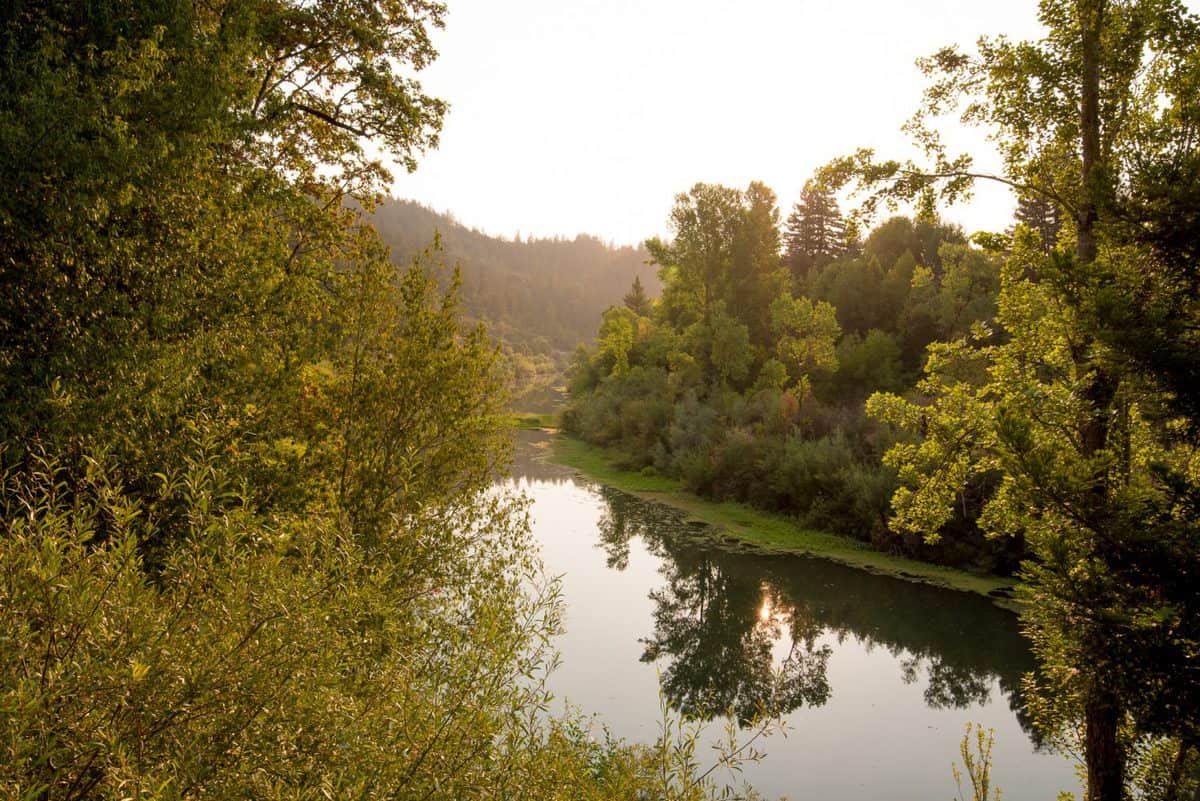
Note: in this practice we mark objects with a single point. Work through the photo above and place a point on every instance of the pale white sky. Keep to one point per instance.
(588, 116)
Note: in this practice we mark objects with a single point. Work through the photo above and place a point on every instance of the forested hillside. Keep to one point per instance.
(541, 297)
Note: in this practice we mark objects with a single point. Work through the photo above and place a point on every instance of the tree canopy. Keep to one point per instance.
(248, 546)
(1094, 470)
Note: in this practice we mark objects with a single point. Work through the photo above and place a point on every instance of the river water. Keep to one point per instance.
(880, 676)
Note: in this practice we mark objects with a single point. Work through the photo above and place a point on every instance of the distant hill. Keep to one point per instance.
(541, 296)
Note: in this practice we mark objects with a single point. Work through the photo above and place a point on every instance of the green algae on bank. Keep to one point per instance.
(532, 421)
(767, 532)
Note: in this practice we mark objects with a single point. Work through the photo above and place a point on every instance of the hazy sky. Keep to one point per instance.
(588, 116)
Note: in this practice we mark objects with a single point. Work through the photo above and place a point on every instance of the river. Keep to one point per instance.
(880, 676)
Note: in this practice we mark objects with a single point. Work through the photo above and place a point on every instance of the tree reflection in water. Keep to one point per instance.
(740, 632)
(719, 633)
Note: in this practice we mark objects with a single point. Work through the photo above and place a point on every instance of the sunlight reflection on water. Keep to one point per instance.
(881, 675)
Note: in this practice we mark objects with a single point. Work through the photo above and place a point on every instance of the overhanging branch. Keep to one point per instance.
(332, 120)
(983, 176)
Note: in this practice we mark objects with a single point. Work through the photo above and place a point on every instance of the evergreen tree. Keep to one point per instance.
(1040, 214)
(637, 301)
(815, 233)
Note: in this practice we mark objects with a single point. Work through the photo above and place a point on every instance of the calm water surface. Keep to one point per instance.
(880, 675)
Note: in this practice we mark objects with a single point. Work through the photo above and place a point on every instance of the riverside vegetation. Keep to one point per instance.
(248, 547)
(746, 381)
(248, 544)
(1030, 395)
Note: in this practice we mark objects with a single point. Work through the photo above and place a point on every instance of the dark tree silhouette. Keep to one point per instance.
(815, 233)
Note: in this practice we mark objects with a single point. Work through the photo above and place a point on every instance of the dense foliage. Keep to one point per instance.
(247, 545)
(1082, 416)
(747, 379)
(1057, 411)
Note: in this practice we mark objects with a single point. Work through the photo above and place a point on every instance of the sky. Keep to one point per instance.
(589, 116)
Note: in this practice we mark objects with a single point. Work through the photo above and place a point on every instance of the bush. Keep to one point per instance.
(342, 665)
(824, 484)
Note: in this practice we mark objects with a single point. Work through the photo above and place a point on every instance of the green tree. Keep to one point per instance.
(725, 250)
(855, 287)
(135, 128)
(815, 233)
(615, 340)
(1041, 214)
(758, 276)
(637, 301)
(696, 266)
(731, 355)
(967, 290)
(1091, 475)
(807, 335)
(247, 547)
(866, 365)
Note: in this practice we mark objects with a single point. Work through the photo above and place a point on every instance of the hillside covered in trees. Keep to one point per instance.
(541, 297)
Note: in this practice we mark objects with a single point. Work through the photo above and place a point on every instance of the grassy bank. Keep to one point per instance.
(533, 420)
(770, 532)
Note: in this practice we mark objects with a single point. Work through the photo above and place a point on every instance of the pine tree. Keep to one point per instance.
(636, 299)
(815, 233)
(1042, 215)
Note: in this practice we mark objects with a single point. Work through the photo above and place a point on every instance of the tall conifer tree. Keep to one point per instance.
(815, 233)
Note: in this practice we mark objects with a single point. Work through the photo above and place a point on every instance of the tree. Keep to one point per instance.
(615, 339)
(723, 260)
(247, 547)
(806, 335)
(154, 146)
(728, 340)
(1041, 214)
(855, 287)
(637, 301)
(815, 233)
(695, 267)
(182, 247)
(758, 276)
(1091, 475)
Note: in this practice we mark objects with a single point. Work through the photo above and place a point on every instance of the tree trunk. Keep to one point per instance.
(1172, 791)
(1091, 14)
(1102, 749)
(1103, 755)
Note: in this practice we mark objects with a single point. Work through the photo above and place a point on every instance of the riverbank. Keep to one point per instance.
(767, 532)
(533, 421)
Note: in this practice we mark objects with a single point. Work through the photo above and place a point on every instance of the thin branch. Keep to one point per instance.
(334, 121)
(983, 176)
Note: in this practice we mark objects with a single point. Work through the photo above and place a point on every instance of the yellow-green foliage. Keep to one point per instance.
(248, 547)
(263, 661)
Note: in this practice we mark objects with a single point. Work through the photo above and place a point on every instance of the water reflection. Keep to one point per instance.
(737, 631)
(883, 674)
(719, 633)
